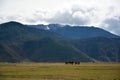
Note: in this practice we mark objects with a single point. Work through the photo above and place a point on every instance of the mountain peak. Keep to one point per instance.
(12, 23)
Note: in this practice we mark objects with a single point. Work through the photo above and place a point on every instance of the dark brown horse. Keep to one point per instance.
(77, 62)
(71, 62)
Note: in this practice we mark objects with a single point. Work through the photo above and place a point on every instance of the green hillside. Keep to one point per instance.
(50, 50)
(20, 43)
(100, 48)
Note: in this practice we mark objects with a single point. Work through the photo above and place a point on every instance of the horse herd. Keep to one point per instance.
(71, 62)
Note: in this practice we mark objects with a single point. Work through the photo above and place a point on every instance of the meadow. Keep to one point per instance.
(59, 71)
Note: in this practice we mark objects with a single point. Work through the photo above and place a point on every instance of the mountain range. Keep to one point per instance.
(57, 43)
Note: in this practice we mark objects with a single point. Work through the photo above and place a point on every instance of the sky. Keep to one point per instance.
(100, 13)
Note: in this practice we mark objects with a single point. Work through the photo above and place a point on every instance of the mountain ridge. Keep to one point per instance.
(77, 32)
(20, 42)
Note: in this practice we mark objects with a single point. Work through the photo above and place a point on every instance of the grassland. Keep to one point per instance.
(45, 71)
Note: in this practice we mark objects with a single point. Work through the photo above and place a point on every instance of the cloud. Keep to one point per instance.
(73, 16)
(76, 15)
(69, 17)
(112, 25)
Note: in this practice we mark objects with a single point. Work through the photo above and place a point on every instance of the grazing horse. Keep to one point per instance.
(77, 62)
(71, 62)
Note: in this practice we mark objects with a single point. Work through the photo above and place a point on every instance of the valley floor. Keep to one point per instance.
(59, 71)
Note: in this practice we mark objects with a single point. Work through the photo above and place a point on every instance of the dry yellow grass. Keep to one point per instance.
(60, 71)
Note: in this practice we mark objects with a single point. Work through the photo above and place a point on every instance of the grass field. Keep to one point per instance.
(59, 71)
